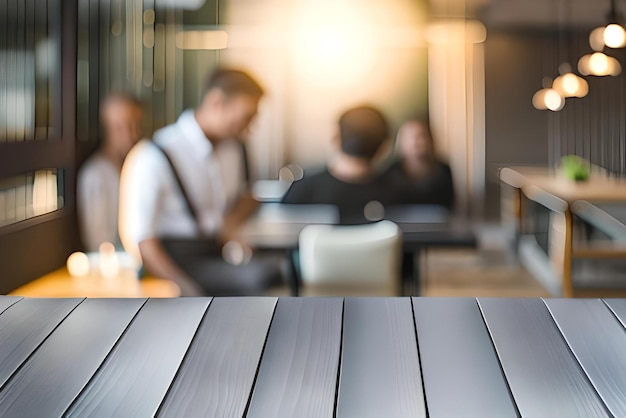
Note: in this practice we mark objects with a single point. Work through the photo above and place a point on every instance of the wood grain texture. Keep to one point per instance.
(24, 326)
(7, 301)
(544, 377)
(598, 341)
(618, 306)
(459, 361)
(380, 369)
(135, 377)
(55, 374)
(298, 372)
(216, 377)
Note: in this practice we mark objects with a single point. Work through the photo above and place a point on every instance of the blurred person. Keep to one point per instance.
(184, 193)
(418, 176)
(349, 180)
(98, 180)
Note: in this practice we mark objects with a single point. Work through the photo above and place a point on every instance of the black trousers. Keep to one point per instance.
(201, 259)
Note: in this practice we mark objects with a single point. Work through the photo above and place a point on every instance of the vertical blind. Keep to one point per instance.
(29, 64)
(593, 127)
(128, 45)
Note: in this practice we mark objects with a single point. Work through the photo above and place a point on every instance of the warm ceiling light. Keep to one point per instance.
(554, 101)
(548, 99)
(614, 36)
(596, 39)
(599, 64)
(570, 85)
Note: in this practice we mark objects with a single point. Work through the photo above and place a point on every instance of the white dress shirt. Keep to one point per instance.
(151, 203)
(98, 186)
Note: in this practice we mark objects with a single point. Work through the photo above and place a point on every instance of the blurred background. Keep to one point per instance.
(471, 67)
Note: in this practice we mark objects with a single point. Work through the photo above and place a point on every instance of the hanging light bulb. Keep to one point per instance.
(547, 97)
(539, 99)
(596, 39)
(599, 64)
(554, 101)
(614, 36)
(570, 85)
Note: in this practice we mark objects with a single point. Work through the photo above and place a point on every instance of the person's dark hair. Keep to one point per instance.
(232, 82)
(122, 96)
(362, 130)
(423, 122)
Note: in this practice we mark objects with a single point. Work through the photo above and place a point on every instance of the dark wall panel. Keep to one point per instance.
(32, 252)
(516, 132)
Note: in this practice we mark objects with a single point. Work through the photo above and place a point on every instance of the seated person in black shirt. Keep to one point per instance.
(418, 176)
(349, 180)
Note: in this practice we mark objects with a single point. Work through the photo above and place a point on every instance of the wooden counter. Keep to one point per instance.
(59, 284)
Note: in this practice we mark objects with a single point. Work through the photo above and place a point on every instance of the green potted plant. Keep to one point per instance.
(575, 168)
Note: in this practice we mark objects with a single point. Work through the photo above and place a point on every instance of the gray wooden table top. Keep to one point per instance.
(312, 357)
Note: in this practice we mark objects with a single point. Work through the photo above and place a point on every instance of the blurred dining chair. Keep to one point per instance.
(359, 256)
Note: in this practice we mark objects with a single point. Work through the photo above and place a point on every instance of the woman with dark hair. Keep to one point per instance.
(418, 175)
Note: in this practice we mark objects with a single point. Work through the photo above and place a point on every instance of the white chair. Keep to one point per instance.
(355, 255)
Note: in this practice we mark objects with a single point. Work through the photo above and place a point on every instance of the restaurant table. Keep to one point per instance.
(312, 357)
(559, 194)
(60, 284)
(277, 227)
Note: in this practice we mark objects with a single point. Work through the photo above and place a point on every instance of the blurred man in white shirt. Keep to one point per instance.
(176, 215)
(99, 178)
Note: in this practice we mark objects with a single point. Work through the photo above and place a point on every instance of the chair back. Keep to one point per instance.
(351, 254)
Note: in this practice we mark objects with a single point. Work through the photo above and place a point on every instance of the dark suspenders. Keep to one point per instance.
(190, 206)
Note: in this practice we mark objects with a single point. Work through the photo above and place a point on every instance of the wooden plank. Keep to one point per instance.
(55, 374)
(456, 352)
(543, 375)
(135, 377)
(298, 372)
(24, 326)
(216, 377)
(8, 301)
(597, 340)
(618, 306)
(380, 368)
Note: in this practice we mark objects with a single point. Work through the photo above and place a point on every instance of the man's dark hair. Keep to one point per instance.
(121, 96)
(363, 130)
(232, 82)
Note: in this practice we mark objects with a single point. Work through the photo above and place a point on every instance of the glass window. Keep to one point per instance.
(30, 194)
(29, 66)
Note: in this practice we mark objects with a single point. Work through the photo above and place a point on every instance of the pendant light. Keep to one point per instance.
(614, 34)
(569, 84)
(548, 98)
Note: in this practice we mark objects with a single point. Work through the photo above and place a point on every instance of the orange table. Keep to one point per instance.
(59, 284)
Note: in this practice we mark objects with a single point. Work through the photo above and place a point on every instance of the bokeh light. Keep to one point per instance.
(78, 264)
(614, 36)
